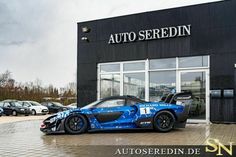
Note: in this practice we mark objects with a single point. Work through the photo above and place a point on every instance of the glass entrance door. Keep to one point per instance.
(196, 82)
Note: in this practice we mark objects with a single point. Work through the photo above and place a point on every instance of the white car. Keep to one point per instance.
(35, 107)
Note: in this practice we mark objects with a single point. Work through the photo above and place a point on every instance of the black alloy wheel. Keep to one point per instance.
(76, 124)
(164, 121)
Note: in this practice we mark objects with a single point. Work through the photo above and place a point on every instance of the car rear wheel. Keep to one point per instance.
(164, 121)
(76, 124)
(33, 112)
(14, 113)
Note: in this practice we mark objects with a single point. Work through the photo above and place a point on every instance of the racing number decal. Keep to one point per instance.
(145, 110)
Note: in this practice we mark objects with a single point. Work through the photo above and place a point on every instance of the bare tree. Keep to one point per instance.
(4, 78)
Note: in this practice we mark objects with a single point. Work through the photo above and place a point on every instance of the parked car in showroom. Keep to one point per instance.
(54, 107)
(1, 111)
(35, 107)
(72, 106)
(13, 107)
(122, 112)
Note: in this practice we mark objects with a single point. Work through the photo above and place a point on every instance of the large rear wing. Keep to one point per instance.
(179, 98)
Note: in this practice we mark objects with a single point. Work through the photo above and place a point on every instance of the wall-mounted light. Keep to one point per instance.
(235, 65)
(85, 39)
(85, 29)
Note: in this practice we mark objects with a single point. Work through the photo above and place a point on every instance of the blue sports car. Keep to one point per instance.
(122, 112)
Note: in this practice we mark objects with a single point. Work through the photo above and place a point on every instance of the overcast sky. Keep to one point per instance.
(38, 37)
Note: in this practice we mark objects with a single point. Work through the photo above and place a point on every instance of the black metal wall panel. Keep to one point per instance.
(235, 93)
(213, 32)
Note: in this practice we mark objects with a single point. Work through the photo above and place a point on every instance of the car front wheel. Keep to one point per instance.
(14, 113)
(76, 124)
(164, 121)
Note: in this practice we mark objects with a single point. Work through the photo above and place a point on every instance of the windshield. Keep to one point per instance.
(33, 103)
(57, 103)
(16, 104)
(91, 105)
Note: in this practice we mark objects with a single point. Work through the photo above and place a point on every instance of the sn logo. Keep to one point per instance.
(214, 145)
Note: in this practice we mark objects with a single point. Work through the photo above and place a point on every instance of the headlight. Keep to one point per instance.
(22, 109)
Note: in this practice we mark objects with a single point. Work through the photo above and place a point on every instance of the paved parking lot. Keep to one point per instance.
(10, 119)
(24, 138)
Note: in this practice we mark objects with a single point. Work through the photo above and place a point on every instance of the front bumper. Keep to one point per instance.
(52, 127)
(43, 111)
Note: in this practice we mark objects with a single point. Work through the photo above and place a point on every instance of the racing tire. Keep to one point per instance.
(33, 112)
(14, 113)
(76, 124)
(164, 121)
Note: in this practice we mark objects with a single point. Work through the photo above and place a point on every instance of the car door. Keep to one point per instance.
(7, 108)
(27, 105)
(114, 113)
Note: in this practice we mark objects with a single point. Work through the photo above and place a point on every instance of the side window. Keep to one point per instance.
(6, 104)
(51, 104)
(25, 104)
(131, 102)
(111, 103)
(1, 104)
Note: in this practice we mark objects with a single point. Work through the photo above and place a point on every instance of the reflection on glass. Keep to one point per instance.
(110, 68)
(161, 83)
(134, 66)
(199, 61)
(163, 63)
(110, 85)
(134, 84)
(196, 83)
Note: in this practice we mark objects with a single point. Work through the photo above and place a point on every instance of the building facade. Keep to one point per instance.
(150, 54)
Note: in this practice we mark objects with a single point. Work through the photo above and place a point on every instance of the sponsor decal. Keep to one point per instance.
(145, 110)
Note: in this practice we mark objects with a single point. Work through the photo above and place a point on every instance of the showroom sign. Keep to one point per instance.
(150, 34)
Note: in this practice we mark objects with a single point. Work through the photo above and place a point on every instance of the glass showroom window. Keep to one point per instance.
(168, 63)
(134, 84)
(110, 68)
(161, 83)
(189, 62)
(110, 85)
(134, 79)
(134, 66)
(162, 78)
